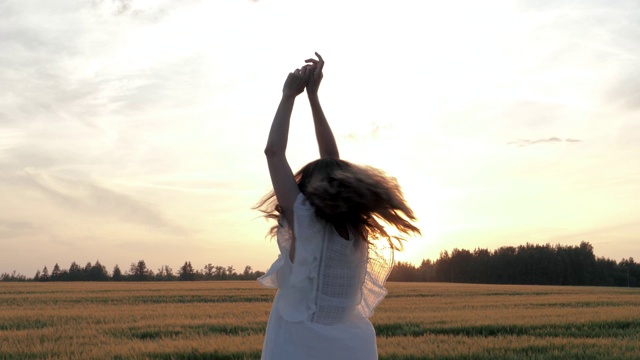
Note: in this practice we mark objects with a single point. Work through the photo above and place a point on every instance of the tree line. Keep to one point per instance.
(136, 272)
(526, 264)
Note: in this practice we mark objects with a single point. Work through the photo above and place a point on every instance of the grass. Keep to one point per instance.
(226, 320)
(601, 329)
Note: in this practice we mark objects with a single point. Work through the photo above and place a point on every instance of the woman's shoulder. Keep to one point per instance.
(304, 216)
(302, 203)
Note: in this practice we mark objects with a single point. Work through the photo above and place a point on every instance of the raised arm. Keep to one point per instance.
(282, 178)
(326, 141)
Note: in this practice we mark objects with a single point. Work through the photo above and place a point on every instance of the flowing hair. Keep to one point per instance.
(345, 194)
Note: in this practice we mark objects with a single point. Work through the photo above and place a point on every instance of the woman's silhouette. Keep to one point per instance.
(332, 266)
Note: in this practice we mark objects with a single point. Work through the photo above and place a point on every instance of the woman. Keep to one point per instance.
(331, 272)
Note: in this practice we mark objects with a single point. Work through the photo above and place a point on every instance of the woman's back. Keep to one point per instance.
(341, 274)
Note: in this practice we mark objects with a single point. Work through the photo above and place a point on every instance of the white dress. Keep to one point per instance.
(326, 295)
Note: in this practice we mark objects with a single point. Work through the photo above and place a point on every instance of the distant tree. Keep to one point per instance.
(13, 276)
(461, 260)
(186, 272)
(247, 274)
(629, 273)
(587, 263)
(403, 271)
(36, 277)
(605, 271)
(75, 272)
(117, 273)
(480, 268)
(165, 272)
(97, 272)
(504, 265)
(443, 267)
(220, 273)
(55, 273)
(209, 271)
(168, 272)
(427, 270)
(45, 274)
(633, 273)
(63, 275)
(139, 271)
(231, 272)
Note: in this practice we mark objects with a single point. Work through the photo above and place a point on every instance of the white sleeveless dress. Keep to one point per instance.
(326, 295)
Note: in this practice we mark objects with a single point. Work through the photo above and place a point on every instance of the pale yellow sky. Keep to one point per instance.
(134, 129)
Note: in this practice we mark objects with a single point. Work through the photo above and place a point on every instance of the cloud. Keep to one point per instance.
(114, 7)
(122, 6)
(86, 197)
(11, 229)
(527, 142)
(64, 67)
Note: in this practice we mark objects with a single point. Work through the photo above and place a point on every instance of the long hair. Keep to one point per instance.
(345, 194)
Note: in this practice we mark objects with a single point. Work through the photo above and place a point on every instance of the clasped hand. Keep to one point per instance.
(308, 76)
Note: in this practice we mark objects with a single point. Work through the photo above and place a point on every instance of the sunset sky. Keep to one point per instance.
(135, 129)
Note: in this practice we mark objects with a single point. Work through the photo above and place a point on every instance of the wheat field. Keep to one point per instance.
(226, 320)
